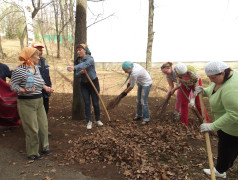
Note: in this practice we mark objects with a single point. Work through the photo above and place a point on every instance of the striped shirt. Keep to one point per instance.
(18, 81)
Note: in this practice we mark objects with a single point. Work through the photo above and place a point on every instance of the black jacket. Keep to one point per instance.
(5, 72)
(44, 71)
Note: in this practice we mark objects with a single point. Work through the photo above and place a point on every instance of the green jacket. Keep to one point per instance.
(224, 105)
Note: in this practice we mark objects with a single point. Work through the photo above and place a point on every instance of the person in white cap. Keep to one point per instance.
(222, 94)
(188, 79)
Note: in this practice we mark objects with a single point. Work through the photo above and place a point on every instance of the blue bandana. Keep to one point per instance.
(87, 50)
(127, 65)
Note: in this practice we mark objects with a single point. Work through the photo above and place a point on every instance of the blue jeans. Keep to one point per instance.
(87, 92)
(142, 102)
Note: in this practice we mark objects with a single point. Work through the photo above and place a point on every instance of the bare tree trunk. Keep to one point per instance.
(62, 20)
(66, 32)
(80, 37)
(42, 35)
(57, 28)
(33, 14)
(58, 45)
(22, 38)
(2, 54)
(71, 14)
(29, 23)
(150, 35)
(41, 21)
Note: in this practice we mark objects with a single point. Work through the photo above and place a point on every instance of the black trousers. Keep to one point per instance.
(46, 105)
(227, 151)
(87, 93)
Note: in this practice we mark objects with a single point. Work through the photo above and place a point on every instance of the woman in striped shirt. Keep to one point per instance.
(30, 104)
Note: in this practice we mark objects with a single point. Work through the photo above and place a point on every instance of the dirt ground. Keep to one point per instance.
(121, 149)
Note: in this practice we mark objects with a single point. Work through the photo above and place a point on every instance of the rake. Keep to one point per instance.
(113, 103)
(164, 105)
(98, 95)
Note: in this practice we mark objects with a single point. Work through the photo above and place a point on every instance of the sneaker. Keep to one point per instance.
(89, 125)
(217, 174)
(145, 123)
(46, 151)
(34, 157)
(137, 118)
(99, 123)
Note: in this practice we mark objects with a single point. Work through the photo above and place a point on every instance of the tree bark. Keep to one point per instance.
(56, 10)
(150, 35)
(33, 14)
(66, 8)
(42, 34)
(2, 54)
(80, 37)
(71, 14)
(22, 38)
(63, 19)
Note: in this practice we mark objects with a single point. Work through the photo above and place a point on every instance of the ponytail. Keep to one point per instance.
(166, 65)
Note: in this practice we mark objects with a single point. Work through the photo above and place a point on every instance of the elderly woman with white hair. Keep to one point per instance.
(188, 79)
(222, 93)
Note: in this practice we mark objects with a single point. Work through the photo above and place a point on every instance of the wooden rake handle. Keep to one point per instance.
(204, 119)
(194, 109)
(104, 107)
(184, 93)
(209, 149)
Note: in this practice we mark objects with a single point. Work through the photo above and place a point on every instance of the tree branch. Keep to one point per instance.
(14, 4)
(3, 16)
(33, 4)
(44, 5)
(100, 20)
(61, 30)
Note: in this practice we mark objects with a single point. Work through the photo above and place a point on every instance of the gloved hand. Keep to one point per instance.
(192, 103)
(178, 84)
(123, 94)
(198, 89)
(205, 127)
(128, 85)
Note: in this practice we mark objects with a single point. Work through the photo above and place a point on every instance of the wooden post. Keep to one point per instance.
(104, 107)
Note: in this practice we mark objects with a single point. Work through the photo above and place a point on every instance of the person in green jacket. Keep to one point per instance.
(222, 94)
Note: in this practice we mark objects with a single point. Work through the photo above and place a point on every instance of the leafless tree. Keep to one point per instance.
(59, 27)
(72, 26)
(150, 35)
(34, 12)
(80, 37)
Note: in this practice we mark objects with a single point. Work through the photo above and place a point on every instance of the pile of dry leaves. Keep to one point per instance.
(156, 151)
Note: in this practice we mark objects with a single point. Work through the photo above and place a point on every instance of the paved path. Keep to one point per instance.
(15, 166)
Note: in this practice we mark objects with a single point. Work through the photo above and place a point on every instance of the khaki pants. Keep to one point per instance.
(35, 124)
